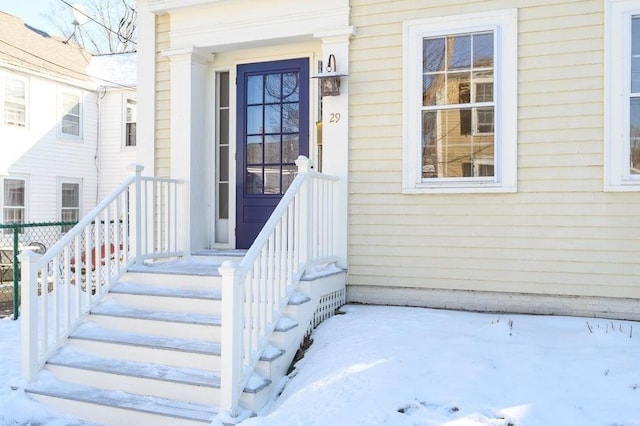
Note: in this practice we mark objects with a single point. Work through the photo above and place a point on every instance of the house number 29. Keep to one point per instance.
(334, 117)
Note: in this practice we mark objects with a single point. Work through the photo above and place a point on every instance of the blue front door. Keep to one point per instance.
(272, 131)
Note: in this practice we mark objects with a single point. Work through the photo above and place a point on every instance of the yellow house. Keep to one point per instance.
(488, 147)
(476, 155)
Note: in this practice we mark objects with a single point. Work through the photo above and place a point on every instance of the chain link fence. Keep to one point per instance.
(15, 238)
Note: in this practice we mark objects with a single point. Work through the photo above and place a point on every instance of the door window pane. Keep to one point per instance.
(290, 148)
(254, 120)
(272, 179)
(290, 87)
(291, 117)
(254, 150)
(272, 118)
(254, 89)
(272, 92)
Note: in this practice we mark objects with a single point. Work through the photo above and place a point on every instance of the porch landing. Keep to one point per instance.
(201, 262)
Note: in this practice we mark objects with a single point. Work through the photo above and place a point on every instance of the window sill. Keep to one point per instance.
(623, 187)
(459, 188)
(70, 138)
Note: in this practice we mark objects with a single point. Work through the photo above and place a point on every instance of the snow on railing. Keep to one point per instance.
(299, 234)
(60, 287)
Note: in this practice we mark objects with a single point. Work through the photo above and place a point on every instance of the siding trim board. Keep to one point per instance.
(497, 302)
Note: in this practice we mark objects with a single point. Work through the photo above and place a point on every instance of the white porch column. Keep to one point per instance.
(146, 90)
(335, 129)
(188, 90)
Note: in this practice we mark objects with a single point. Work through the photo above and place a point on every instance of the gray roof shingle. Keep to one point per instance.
(34, 50)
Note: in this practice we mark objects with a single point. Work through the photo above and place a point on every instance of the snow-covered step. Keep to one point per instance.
(118, 408)
(156, 297)
(111, 314)
(218, 256)
(157, 277)
(142, 378)
(177, 352)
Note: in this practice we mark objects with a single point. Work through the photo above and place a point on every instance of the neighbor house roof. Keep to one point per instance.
(34, 50)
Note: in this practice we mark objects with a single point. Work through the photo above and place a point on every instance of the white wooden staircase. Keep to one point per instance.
(124, 336)
(149, 352)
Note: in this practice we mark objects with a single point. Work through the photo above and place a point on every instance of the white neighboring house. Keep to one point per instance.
(54, 97)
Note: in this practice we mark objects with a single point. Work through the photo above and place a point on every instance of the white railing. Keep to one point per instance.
(137, 221)
(300, 233)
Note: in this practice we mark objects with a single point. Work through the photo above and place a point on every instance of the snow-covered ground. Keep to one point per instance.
(411, 366)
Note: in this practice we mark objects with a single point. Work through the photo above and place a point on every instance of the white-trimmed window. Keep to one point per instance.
(13, 200)
(69, 203)
(131, 119)
(622, 85)
(460, 103)
(14, 101)
(71, 113)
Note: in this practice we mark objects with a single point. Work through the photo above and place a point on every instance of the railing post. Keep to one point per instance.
(29, 261)
(304, 166)
(231, 352)
(137, 168)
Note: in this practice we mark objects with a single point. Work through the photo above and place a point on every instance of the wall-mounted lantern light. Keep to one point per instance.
(330, 80)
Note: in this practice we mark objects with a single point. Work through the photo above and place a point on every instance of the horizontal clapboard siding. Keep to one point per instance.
(163, 103)
(560, 234)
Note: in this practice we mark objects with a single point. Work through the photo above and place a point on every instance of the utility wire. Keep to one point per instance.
(120, 36)
(57, 65)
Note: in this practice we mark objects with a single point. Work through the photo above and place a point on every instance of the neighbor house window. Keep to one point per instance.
(15, 102)
(131, 118)
(622, 82)
(460, 85)
(13, 201)
(70, 121)
(69, 203)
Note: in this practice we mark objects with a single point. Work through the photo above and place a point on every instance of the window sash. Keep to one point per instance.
(15, 103)
(13, 201)
(70, 122)
(131, 119)
(69, 203)
(457, 104)
(504, 25)
(633, 101)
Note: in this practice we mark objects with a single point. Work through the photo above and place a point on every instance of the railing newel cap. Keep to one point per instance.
(135, 167)
(303, 163)
(29, 254)
(227, 267)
